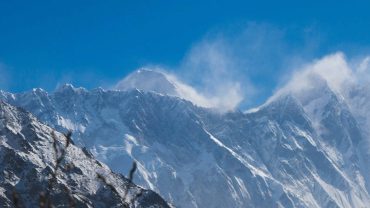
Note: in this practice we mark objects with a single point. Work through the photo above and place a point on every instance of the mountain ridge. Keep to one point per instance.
(28, 162)
(187, 153)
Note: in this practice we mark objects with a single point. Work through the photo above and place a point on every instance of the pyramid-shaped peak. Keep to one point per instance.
(148, 80)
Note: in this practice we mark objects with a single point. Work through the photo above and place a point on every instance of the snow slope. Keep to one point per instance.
(28, 159)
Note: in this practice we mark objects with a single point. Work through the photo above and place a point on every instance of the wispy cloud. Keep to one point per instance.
(214, 72)
(336, 70)
(362, 69)
(333, 68)
(238, 68)
(208, 76)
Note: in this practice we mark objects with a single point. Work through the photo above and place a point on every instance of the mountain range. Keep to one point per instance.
(307, 146)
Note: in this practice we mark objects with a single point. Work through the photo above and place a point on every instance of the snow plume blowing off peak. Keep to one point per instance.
(159, 81)
(334, 69)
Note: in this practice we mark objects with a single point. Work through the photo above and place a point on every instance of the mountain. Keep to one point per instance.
(304, 147)
(29, 154)
(163, 83)
(149, 80)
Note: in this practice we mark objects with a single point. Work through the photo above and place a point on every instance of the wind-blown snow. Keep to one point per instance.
(164, 83)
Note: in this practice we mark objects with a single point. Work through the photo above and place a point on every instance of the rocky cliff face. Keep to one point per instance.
(35, 170)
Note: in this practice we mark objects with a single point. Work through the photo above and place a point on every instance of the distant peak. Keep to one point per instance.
(282, 101)
(147, 70)
(65, 86)
(148, 80)
(69, 88)
(39, 91)
(151, 72)
(161, 82)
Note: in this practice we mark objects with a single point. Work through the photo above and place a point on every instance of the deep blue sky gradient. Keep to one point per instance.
(93, 43)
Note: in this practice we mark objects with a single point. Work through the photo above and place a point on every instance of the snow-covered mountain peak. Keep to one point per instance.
(149, 80)
(283, 101)
(313, 91)
(39, 91)
(166, 84)
(69, 88)
(327, 77)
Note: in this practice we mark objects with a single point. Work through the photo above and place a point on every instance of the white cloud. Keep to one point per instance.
(189, 93)
(362, 71)
(224, 102)
(216, 69)
(335, 69)
(221, 88)
(161, 81)
(209, 64)
(238, 69)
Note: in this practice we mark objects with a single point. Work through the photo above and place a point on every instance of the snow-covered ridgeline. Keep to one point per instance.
(303, 148)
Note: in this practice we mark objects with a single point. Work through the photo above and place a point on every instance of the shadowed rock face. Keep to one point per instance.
(299, 150)
(28, 159)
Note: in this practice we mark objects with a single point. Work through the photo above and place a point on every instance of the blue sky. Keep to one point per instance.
(96, 43)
